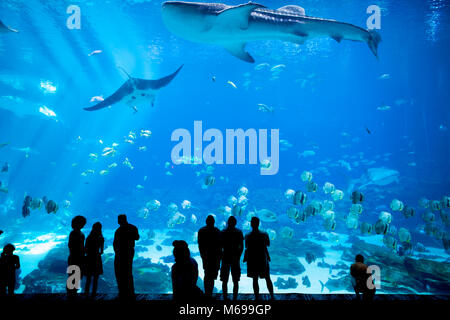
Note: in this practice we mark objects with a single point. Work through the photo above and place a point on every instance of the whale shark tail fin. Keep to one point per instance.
(374, 40)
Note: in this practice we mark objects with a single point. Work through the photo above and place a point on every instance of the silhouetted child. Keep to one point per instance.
(76, 248)
(232, 245)
(94, 249)
(184, 274)
(210, 249)
(257, 257)
(9, 263)
(360, 279)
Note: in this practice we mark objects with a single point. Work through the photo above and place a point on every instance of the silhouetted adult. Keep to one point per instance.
(124, 241)
(94, 249)
(210, 251)
(184, 274)
(232, 247)
(9, 263)
(257, 257)
(360, 279)
(76, 248)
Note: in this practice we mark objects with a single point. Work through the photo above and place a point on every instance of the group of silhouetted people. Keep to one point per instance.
(87, 255)
(219, 251)
(222, 250)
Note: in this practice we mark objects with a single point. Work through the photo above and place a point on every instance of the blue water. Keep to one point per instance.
(324, 100)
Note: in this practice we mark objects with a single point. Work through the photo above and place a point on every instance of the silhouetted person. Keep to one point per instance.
(124, 241)
(210, 251)
(184, 274)
(232, 247)
(360, 278)
(94, 249)
(9, 263)
(257, 257)
(76, 248)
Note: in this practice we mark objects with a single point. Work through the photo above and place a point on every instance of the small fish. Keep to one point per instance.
(368, 131)
(232, 84)
(48, 87)
(145, 133)
(94, 52)
(384, 76)
(265, 108)
(85, 173)
(127, 163)
(213, 79)
(93, 156)
(384, 107)
(47, 112)
(108, 152)
(278, 68)
(262, 66)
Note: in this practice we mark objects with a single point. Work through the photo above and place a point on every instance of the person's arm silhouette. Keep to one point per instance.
(16, 262)
(102, 246)
(241, 243)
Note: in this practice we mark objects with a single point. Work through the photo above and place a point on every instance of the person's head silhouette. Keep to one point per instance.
(180, 250)
(8, 249)
(97, 228)
(78, 222)
(254, 223)
(210, 221)
(122, 220)
(232, 222)
(359, 258)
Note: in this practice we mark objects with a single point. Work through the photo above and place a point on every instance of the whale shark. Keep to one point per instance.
(135, 92)
(375, 176)
(233, 26)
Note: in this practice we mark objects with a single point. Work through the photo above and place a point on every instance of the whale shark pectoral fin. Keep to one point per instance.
(121, 93)
(300, 37)
(337, 38)
(238, 50)
(237, 15)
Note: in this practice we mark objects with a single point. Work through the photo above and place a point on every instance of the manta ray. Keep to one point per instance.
(136, 92)
(233, 26)
(4, 28)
